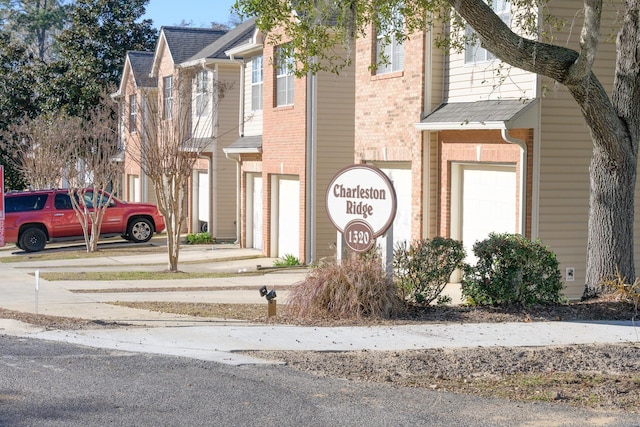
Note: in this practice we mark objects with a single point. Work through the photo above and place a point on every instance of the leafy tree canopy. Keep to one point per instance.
(16, 100)
(93, 50)
(316, 27)
(34, 23)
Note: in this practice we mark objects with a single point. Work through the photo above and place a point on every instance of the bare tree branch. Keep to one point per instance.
(172, 135)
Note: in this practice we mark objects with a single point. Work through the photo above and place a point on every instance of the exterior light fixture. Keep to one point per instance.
(271, 295)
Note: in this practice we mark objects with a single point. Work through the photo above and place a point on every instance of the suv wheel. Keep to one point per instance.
(140, 230)
(33, 240)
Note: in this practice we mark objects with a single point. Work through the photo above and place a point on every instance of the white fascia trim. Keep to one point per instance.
(162, 43)
(242, 150)
(205, 62)
(435, 126)
(244, 49)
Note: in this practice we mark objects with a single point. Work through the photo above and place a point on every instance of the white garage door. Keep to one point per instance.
(288, 217)
(488, 203)
(401, 179)
(203, 201)
(254, 225)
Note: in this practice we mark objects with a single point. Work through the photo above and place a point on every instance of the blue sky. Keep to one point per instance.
(200, 12)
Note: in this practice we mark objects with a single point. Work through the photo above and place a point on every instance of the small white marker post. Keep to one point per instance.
(37, 288)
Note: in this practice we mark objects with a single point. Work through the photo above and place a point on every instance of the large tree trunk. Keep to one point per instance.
(614, 165)
(611, 220)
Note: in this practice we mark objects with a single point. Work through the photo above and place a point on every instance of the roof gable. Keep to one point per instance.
(239, 35)
(141, 63)
(184, 42)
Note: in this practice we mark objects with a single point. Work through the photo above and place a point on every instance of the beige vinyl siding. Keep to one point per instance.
(223, 193)
(481, 81)
(430, 143)
(335, 132)
(436, 77)
(430, 229)
(565, 154)
(150, 190)
(564, 185)
(202, 124)
(253, 119)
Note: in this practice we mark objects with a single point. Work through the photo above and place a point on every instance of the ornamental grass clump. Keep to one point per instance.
(620, 289)
(358, 286)
(288, 260)
(424, 267)
(512, 269)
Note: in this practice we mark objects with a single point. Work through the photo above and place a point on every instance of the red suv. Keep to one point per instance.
(34, 217)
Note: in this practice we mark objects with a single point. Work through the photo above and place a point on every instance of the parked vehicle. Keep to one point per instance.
(33, 218)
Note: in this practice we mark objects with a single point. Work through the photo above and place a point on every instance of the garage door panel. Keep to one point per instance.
(288, 217)
(256, 222)
(488, 204)
(401, 179)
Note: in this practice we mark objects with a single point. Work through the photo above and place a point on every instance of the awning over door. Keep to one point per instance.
(495, 114)
(245, 145)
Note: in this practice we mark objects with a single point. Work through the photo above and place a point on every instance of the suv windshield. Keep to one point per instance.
(24, 203)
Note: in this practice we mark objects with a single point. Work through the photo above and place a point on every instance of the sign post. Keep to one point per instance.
(361, 203)
(1, 205)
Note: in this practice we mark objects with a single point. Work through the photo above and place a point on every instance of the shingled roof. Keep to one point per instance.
(141, 63)
(490, 113)
(184, 42)
(246, 144)
(236, 36)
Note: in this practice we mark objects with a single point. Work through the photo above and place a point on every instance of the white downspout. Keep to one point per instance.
(241, 106)
(310, 211)
(426, 136)
(523, 176)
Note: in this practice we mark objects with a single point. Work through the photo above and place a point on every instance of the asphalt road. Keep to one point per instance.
(46, 383)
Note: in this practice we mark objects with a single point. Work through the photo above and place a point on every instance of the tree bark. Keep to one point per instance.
(611, 219)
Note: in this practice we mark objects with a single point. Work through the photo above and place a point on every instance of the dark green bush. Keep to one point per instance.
(512, 269)
(358, 286)
(423, 268)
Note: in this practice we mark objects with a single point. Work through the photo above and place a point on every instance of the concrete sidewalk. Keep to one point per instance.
(221, 343)
(61, 298)
(219, 339)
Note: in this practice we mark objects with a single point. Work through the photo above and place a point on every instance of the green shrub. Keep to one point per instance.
(423, 268)
(512, 269)
(199, 238)
(287, 260)
(356, 287)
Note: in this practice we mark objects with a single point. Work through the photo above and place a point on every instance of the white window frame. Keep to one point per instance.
(133, 113)
(201, 89)
(167, 90)
(284, 78)
(257, 80)
(389, 50)
(473, 52)
(389, 53)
